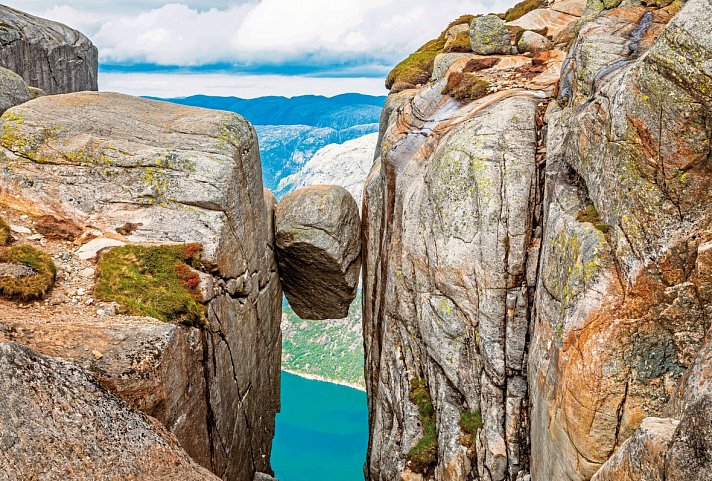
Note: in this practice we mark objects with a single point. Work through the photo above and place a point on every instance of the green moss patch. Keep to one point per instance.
(522, 8)
(5, 233)
(153, 281)
(26, 273)
(590, 214)
(418, 67)
(470, 423)
(423, 456)
(466, 87)
(460, 44)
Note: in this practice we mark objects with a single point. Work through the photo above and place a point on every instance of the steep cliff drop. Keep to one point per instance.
(536, 232)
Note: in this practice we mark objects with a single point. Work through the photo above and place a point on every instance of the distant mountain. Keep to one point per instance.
(292, 130)
(338, 113)
(346, 164)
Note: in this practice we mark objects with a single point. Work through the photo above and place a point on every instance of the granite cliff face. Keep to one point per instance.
(48, 55)
(129, 171)
(536, 233)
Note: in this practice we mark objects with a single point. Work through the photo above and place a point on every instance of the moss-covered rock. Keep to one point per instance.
(418, 67)
(470, 423)
(466, 87)
(424, 454)
(154, 281)
(522, 8)
(489, 35)
(459, 44)
(26, 273)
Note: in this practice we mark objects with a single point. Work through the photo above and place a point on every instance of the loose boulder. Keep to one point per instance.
(489, 35)
(13, 90)
(318, 236)
(47, 54)
(533, 42)
(59, 423)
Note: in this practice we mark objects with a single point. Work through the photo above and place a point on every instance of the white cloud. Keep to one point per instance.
(244, 86)
(315, 32)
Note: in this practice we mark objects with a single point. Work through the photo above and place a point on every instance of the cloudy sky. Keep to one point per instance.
(250, 48)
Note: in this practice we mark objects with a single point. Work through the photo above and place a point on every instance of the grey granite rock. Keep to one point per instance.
(318, 238)
(489, 35)
(13, 90)
(58, 423)
(47, 54)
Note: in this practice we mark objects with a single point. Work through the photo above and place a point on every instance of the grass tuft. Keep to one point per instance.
(466, 87)
(5, 233)
(34, 286)
(590, 214)
(460, 44)
(153, 281)
(522, 8)
(418, 67)
(470, 423)
(422, 457)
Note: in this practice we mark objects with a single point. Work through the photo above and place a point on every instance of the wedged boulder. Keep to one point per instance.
(533, 42)
(58, 423)
(47, 54)
(178, 175)
(489, 35)
(13, 90)
(318, 239)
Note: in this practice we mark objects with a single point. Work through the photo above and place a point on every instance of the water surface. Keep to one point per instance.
(322, 432)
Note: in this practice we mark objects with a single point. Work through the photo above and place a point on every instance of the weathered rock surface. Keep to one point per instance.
(13, 90)
(57, 423)
(318, 240)
(48, 55)
(489, 35)
(448, 239)
(622, 305)
(569, 312)
(180, 175)
(533, 42)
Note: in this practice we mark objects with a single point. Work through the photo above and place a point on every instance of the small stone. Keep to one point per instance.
(89, 302)
(20, 229)
(88, 272)
(91, 249)
(97, 355)
(35, 237)
(81, 291)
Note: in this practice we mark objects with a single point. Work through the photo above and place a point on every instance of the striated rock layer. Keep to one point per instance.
(179, 175)
(538, 257)
(48, 55)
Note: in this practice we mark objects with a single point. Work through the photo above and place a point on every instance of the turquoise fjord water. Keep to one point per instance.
(322, 432)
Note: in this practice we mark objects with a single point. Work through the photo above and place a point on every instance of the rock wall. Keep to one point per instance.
(179, 175)
(537, 255)
(48, 55)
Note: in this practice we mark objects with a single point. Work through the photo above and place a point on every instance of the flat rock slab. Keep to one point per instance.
(318, 235)
(58, 423)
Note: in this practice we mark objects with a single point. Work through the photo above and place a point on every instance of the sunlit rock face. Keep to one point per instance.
(537, 253)
(178, 175)
(318, 242)
(48, 55)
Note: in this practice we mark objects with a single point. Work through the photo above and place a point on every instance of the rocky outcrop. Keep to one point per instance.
(318, 240)
(48, 55)
(13, 90)
(180, 175)
(621, 308)
(537, 257)
(58, 423)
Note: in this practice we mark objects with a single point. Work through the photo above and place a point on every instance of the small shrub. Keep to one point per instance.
(424, 454)
(522, 8)
(466, 87)
(477, 64)
(33, 286)
(5, 233)
(418, 67)
(470, 422)
(590, 214)
(153, 281)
